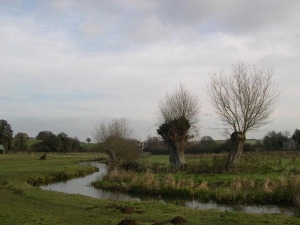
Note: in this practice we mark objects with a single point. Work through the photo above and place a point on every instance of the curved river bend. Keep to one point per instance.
(82, 186)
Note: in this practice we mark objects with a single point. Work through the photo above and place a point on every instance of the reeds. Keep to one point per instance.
(259, 178)
(239, 190)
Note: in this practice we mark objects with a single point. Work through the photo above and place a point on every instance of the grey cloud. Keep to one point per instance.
(230, 16)
(69, 60)
(117, 25)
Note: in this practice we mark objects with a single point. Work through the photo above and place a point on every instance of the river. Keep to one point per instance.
(82, 186)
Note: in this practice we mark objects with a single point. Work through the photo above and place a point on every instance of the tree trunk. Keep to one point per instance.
(111, 154)
(237, 140)
(176, 156)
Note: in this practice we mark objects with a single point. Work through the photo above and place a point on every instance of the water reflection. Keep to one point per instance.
(81, 186)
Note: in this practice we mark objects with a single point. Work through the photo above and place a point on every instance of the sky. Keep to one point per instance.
(69, 65)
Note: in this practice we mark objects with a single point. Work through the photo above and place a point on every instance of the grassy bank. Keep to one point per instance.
(258, 178)
(22, 203)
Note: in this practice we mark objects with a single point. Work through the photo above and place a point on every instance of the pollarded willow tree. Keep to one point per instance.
(243, 101)
(178, 118)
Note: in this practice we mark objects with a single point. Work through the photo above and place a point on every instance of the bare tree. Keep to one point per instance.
(178, 117)
(115, 139)
(243, 101)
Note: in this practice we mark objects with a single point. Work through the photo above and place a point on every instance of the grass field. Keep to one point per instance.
(89, 146)
(22, 203)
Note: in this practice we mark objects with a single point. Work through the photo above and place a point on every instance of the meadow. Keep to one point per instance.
(23, 202)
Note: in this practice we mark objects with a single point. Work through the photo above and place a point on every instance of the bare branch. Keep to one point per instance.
(115, 139)
(180, 103)
(245, 100)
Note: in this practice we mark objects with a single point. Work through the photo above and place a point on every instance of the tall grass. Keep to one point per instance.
(238, 190)
(259, 178)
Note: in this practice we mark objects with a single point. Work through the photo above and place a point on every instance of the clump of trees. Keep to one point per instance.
(43, 135)
(243, 101)
(115, 139)
(274, 140)
(6, 134)
(178, 117)
(88, 140)
(208, 145)
(156, 146)
(56, 143)
(21, 142)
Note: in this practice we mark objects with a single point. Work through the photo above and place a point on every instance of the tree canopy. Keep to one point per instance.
(244, 100)
(57, 143)
(43, 135)
(6, 133)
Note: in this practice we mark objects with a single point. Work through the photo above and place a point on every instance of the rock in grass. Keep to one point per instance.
(43, 157)
(128, 222)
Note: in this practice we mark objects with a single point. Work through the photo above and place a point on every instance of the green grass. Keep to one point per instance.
(89, 146)
(22, 203)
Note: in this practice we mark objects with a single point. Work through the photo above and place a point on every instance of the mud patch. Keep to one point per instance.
(127, 210)
(19, 192)
(128, 222)
(178, 220)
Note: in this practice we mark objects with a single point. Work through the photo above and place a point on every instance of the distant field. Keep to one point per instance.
(89, 146)
(29, 142)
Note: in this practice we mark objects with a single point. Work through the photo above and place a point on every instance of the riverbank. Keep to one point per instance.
(259, 178)
(22, 203)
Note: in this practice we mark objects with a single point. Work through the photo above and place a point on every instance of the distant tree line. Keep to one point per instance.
(6, 134)
(275, 140)
(157, 146)
(56, 143)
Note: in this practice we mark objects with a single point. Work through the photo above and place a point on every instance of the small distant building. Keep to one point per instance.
(142, 145)
(290, 144)
(2, 149)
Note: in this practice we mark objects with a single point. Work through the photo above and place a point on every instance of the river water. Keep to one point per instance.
(82, 186)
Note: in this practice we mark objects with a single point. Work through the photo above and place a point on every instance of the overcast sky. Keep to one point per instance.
(68, 65)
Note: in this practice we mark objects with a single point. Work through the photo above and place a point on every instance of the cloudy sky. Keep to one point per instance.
(68, 65)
